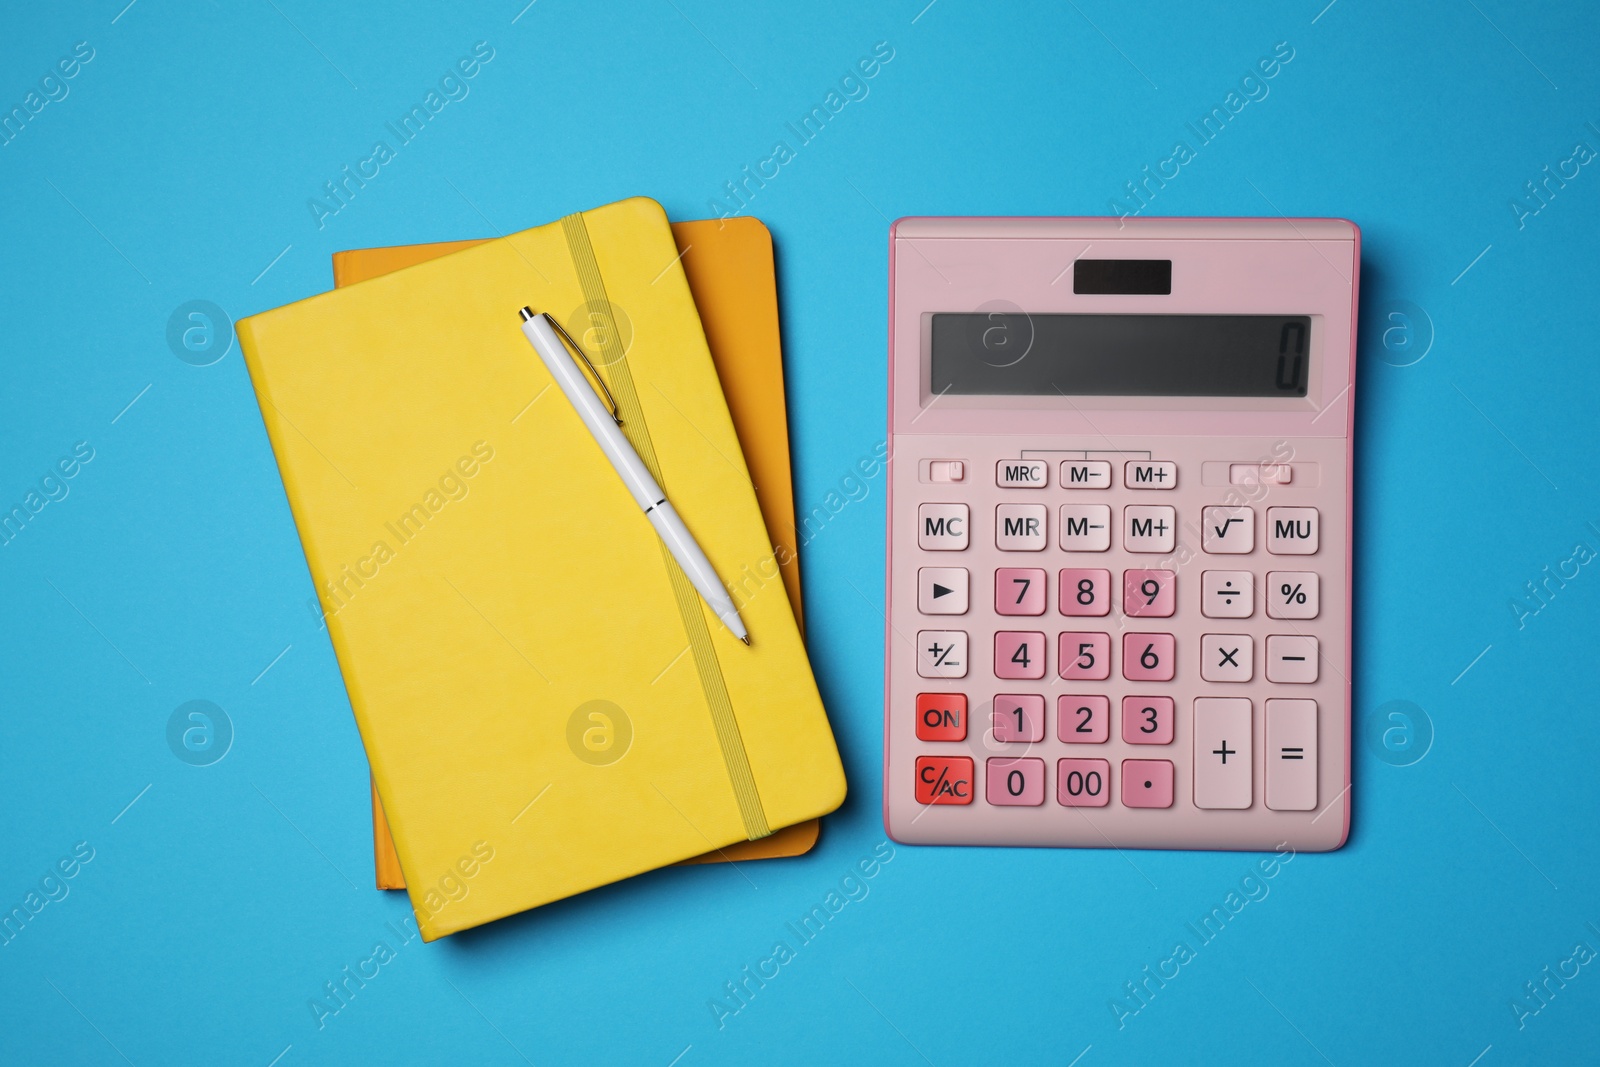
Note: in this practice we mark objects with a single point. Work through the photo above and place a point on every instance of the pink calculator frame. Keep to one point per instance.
(1023, 265)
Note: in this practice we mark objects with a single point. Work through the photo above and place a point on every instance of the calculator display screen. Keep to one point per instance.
(1019, 354)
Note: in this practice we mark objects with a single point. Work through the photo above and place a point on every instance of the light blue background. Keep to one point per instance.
(216, 906)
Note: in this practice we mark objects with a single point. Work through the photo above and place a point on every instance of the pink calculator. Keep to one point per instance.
(1119, 532)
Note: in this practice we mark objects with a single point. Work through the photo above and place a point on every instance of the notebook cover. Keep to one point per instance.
(731, 277)
(522, 583)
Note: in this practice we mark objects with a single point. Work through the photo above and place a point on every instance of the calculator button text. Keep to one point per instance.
(944, 780)
(1292, 531)
(1223, 755)
(1292, 755)
(1019, 718)
(942, 590)
(1086, 527)
(1083, 783)
(1020, 528)
(1292, 658)
(1228, 530)
(1022, 474)
(1019, 591)
(1159, 474)
(942, 653)
(1148, 657)
(1086, 474)
(1147, 783)
(941, 716)
(1227, 594)
(942, 527)
(1293, 594)
(1015, 781)
(1227, 657)
(1018, 654)
(1148, 527)
(1083, 720)
(1085, 591)
(1148, 720)
(1085, 656)
(1149, 594)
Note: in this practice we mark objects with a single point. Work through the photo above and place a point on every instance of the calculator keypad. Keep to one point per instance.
(1129, 624)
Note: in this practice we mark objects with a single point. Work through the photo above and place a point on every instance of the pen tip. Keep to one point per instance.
(746, 640)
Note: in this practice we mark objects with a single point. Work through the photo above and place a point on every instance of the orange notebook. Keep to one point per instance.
(730, 271)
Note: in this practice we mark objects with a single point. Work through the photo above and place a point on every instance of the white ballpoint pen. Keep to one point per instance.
(546, 336)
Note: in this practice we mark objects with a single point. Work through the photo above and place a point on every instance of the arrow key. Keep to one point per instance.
(942, 590)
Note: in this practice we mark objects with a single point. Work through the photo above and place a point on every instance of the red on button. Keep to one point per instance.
(944, 780)
(941, 716)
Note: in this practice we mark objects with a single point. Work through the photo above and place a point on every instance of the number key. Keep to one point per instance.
(1149, 594)
(1018, 654)
(1015, 782)
(1083, 783)
(1085, 591)
(1019, 591)
(1083, 720)
(1148, 720)
(1019, 718)
(1085, 656)
(1147, 657)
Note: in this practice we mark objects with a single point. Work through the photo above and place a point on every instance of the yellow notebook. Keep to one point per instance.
(546, 704)
(730, 273)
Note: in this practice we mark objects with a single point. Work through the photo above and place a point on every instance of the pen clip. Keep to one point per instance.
(599, 381)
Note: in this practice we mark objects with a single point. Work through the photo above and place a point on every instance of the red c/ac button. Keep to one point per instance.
(944, 780)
